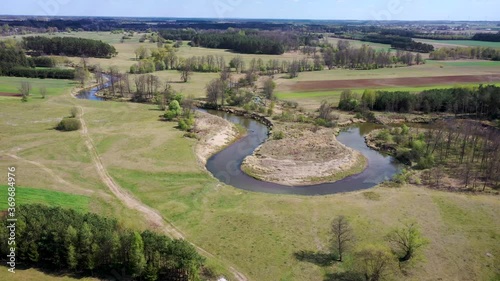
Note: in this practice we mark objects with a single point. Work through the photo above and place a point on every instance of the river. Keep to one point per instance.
(226, 165)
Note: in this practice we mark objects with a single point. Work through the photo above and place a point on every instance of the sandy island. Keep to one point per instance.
(304, 157)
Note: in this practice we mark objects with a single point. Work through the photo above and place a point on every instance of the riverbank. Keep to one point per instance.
(305, 155)
(214, 134)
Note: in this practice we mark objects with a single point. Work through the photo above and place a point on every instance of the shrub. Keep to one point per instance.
(182, 125)
(191, 135)
(170, 115)
(186, 124)
(74, 112)
(323, 123)
(69, 124)
(291, 104)
(385, 135)
(426, 162)
(278, 135)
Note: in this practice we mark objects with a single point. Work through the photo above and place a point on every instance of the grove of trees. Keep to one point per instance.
(399, 42)
(365, 57)
(487, 37)
(455, 53)
(13, 62)
(248, 42)
(68, 46)
(459, 149)
(482, 102)
(370, 261)
(90, 245)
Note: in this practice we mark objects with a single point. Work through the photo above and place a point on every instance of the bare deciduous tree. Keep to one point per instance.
(269, 87)
(325, 111)
(374, 262)
(406, 240)
(214, 91)
(186, 72)
(24, 90)
(343, 236)
(43, 92)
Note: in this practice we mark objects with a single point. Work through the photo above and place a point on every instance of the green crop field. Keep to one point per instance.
(312, 100)
(53, 86)
(26, 195)
(466, 63)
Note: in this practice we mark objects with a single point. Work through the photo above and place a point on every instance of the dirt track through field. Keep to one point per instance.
(153, 217)
(392, 82)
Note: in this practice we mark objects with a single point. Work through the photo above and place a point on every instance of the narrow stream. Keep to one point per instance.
(226, 165)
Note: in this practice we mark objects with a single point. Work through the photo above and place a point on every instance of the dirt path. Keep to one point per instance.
(131, 202)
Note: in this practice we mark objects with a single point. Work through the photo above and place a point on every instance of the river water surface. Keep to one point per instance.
(226, 165)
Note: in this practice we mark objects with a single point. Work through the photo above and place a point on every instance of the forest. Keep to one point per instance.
(459, 149)
(54, 238)
(487, 37)
(399, 42)
(257, 42)
(67, 46)
(482, 102)
(13, 62)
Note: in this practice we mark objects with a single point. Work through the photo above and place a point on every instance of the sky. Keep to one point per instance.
(263, 9)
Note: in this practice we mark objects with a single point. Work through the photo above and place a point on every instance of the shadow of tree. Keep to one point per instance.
(344, 276)
(317, 258)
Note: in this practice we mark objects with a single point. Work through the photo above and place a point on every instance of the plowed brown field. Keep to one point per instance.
(393, 82)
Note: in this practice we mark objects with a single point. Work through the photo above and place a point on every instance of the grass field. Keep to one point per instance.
(257, 233)
(53, 86)
(461, 43)
(358, 44)
(45, 158)
(26, 195)
(312, 100)
(106, 37)
(35, 275)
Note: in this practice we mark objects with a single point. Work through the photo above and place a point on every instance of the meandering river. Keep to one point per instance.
(226, 165)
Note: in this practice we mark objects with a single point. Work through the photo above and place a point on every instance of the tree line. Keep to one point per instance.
(482, 102)
(490, 37)
(399, 42)
(13, 62)
(365, 57)
(483, 53)
(259, 42)
(59, 239)
(68, 46)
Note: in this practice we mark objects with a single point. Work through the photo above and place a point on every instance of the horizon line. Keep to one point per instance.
(243, 18)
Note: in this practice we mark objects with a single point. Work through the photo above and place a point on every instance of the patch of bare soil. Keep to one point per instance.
(305, 156)
(4, 94)
(214, 133)
(393, 82)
